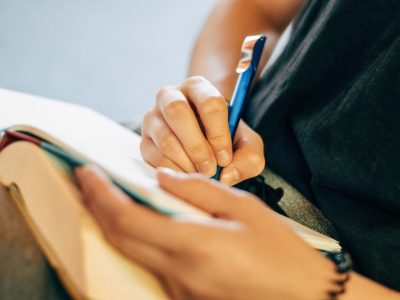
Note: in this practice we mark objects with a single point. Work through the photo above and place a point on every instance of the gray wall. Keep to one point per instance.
(110, 55)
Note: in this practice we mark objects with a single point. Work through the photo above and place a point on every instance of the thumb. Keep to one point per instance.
(208, 195)
(248, 161)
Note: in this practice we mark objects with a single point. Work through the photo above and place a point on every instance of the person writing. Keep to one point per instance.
(327, 113)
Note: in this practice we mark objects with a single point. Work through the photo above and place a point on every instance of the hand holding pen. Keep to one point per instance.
(252, 49)
(188, 131)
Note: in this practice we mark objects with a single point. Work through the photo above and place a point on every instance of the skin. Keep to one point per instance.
(217, 50)
(187, 130)
(246, 252)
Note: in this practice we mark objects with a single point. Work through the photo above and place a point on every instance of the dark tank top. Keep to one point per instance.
(328, 111)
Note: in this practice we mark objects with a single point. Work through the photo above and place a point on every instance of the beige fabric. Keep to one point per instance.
(297, 207)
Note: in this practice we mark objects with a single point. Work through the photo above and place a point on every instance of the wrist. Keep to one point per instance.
(360, 287)
(326, 278)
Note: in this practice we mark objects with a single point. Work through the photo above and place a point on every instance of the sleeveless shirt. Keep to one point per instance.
(328, 111)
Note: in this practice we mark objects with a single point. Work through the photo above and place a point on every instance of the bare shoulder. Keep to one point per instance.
(280, 12)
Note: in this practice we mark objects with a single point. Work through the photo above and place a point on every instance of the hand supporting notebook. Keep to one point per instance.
(191, 257)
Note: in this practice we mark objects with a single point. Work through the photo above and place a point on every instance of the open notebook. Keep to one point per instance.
(48, 197)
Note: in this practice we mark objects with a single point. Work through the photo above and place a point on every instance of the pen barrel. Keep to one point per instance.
(217, 174)
(243, 85)
(237, 106)
(239, 99)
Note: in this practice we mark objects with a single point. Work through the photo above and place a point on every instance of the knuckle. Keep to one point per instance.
(198, 151)
(118, 221)
(144, 147)
(258, 139)
(160, 161)
(94, 188)
(219, 141)
(148, 117)
(175, 108)
(167, 143)
(195, 80)
(213, 105)
(256, 163)
(150, 153)
(163, 91)
(147, 120)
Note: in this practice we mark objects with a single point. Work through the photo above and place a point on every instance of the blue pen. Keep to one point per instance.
(252, 49)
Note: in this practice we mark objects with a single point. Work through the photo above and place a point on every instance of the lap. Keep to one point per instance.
(24, 271)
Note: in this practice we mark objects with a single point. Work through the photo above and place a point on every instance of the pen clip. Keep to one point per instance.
(252, 49)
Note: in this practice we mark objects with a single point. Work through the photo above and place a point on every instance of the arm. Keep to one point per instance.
(360, 287)
(191, 257)
(216, 52)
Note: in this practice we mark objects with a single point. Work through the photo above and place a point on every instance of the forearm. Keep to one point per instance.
(323, 275)
(217, 50)
(360, 287)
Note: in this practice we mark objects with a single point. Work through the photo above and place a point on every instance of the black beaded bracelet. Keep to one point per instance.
(344, 265)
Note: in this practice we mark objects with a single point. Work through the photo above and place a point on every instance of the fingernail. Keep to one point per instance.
(82, 175)
(230, 176)
(223, 157)
(206, 168)
(79, 172)
(84, 172)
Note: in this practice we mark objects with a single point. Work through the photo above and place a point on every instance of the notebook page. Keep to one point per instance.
(89, 135)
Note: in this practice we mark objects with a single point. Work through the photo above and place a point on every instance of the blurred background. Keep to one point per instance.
(110, 55)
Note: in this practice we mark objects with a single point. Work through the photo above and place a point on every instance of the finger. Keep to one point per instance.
(149, 256)
(153, 156)
(248, 158)
(119, 215)
(155, 127)
(173, 289)
(217, 199)
(183, 122)
(212, 109)
(152, 258)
